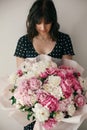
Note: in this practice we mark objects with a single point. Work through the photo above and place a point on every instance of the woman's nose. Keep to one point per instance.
(42, 26)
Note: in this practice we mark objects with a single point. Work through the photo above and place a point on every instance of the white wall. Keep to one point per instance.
(72, 15)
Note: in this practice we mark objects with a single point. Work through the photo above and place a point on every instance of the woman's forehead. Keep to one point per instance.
(44, 20)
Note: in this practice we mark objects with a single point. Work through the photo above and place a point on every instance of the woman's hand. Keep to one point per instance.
(19, 61)
(67, 57)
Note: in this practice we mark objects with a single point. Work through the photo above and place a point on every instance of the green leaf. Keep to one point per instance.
(33, 117)
(13, 89)
(13, 99)
(29, 115)
(22, 107)
(75, 93)
(52, 114)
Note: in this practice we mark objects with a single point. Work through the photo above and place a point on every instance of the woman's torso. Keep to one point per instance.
(26, 49)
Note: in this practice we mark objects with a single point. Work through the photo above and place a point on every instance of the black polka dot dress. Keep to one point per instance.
(25, 49)
(63, 46)
(30, 126)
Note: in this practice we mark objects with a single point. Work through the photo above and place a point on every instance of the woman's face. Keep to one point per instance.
(43, 28)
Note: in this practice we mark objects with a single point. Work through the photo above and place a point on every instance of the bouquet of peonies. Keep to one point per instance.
(48, 92)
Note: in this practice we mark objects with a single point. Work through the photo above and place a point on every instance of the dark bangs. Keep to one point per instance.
(38, 18)
(42, 14)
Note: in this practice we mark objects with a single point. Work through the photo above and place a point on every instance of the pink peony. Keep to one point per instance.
(43, 75)
(61, 73)
(42, 95)
(21, 93)
(64, 103)
(51, 71)
(49, 101)
(19, 73)
(22, 96)
(49, 123)
(66, 72)
(76, 84)
(34, 83)
(23, 85)
(66, 88)
(62, 106)
(79, 100)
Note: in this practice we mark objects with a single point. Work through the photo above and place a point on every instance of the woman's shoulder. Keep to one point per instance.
(63, 35)
(24, 39)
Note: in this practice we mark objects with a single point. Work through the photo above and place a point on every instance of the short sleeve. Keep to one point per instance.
(20, 50)
(67, 46)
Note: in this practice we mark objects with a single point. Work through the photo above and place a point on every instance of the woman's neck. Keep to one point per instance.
(44, 37)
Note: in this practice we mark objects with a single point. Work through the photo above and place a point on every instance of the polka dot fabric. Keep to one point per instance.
(30, 126)
(63, 46)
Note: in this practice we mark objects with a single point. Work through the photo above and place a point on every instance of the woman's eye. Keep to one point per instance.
(47, 22)
(38, 23)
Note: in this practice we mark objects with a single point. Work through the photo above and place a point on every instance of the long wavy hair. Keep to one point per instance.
(42, 9)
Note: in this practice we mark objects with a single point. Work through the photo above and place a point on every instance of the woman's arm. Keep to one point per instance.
(19, 61)
(67, 57)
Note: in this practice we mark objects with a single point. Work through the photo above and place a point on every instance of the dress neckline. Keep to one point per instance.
(43, 53)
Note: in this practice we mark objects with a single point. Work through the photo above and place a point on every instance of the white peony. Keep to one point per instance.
(57, 92)
(33, 97)
(48, 88)
(41, 113)
(19, 80)
(39, 67)
(54, 80)
(59, 116)
(71, 109)
(25, 66)
(19, 102)
(12, 78)
(29, 75)
(83, 82)
(53, 64)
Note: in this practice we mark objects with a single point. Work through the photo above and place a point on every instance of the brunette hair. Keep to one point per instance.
(42, 9)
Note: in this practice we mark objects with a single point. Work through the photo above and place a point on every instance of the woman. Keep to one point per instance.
(43, 36)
